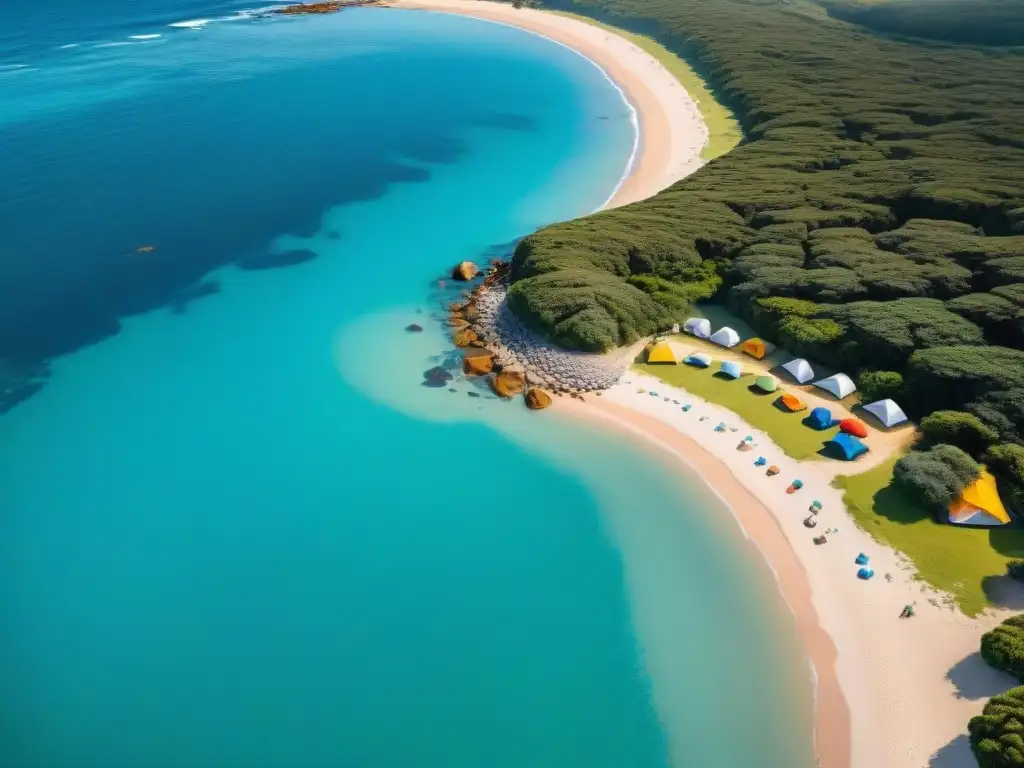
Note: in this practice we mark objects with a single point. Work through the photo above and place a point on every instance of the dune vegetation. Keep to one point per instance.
(994, 22)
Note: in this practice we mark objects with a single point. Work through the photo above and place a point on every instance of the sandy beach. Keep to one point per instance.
(672, 132)
(891, 691)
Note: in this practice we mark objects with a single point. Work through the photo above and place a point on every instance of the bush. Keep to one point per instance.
(996, 733)
(964, 430)
(879, 385)
(1003, 646)
(1007, 461)
(1015, 570)
(936, 477)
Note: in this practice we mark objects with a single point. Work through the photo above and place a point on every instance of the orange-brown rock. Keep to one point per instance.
(332, 6)
(465, 337)
(467, 270)
(508, 383)
(457, 322)
(471, 313)
(478, 364)
(537, 399)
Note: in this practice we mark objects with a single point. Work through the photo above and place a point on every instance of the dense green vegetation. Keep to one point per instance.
(954, 559)
(872, 219)
(934, 478)
(964, 430)
(1003, 646)
(995, 22)
(996, 734)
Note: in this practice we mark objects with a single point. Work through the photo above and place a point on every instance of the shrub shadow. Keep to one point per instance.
(1004, 592)
(956, 754)
(974, 679)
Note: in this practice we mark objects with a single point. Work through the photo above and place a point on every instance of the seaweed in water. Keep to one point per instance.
(181, 301)
(275, 260)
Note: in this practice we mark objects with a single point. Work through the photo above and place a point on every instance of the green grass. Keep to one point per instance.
(724, 131)
(757, 409)
(954, 559)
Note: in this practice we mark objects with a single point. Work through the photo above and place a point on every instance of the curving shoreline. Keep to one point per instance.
(671, 130)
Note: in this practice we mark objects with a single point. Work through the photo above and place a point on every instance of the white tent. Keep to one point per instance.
(887, 412)
(698, 326)
(700, 359)
(725, 337)
(800, 370)
(839, 385)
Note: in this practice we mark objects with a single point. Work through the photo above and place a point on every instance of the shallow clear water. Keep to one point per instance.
(235, 529)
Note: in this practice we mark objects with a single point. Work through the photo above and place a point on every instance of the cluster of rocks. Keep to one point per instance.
(332, 6)
(484, 322)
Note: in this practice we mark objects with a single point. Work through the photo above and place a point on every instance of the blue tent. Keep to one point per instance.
(848, 445)
(862, 559)
(699, 359)
(820, 418)
(865, 573)
(730, 368)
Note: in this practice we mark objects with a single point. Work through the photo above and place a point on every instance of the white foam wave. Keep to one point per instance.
(11, 67)
(110, 45)
(143, 37)
(69, 45)
(190, 24)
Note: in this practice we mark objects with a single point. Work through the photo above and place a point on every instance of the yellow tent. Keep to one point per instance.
(661, 353)
(979, 504)
(755, 348)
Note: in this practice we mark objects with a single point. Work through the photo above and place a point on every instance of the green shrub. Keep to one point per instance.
(1015, 570)
(996, 734)
(964, 430)
(879, 385)
(1003, 646)
(936, 477)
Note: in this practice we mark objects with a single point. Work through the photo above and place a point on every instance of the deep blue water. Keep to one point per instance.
(235, 530)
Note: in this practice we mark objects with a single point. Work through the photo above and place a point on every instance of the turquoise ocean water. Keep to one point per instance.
(234, 529)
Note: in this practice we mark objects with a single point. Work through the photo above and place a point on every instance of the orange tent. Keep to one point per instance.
(793, 403)
(754, 347)
(854, 427)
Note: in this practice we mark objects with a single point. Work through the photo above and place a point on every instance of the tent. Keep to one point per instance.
(755, 348)
(698, 326)
(725, 337)
(820, 418)
(887, 412)
(862, 559)
(733, 369)
(793, 403)
(699, 359)
(865, 573)
(848, 445)
(661, 353)
(854, 427)
(800, 370)
(979, 504)
(766, 383)
(839, 385)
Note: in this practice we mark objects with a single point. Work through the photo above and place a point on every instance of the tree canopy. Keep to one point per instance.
(997, 735)
(874, 212)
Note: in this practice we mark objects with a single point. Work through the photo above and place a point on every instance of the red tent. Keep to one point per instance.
(854, 427)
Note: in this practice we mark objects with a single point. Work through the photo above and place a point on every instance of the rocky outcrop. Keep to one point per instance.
(480, 363)
(508, 383)
(465, 337)
(465, 271)
(333, 6)
(537, 399)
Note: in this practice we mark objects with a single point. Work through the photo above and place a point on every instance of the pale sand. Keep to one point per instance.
(672, 132)
(891, 692)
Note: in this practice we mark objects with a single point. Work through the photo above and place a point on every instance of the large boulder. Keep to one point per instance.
(465, 337)
(436, 377)
(465, 271)
(478, 363)
(537, 399)
(508, 383)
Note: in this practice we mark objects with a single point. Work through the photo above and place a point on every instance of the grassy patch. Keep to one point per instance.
(756, 408)
(954, 559)
(724, 131)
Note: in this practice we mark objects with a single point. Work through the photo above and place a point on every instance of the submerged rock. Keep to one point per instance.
(537, 399)
(414, 328)
(465, 271)
(508, 383)
(436, 377)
